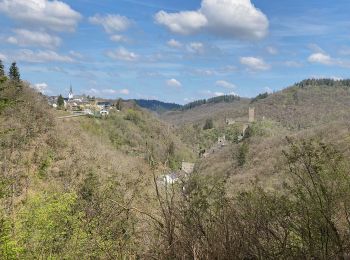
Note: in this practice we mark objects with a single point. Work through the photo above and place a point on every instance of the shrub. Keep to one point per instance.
(209, 124)
(133, 116)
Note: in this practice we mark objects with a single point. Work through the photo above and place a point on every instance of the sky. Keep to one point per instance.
(174, 50)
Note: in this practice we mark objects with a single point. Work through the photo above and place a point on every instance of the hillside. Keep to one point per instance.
(89, 187)
(310, 109)
(157, 106)
(303, 105)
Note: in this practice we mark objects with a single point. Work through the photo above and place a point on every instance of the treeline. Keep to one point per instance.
(157, 106)
(13, 73)
(323, 82)
(225, 98)
(260, 96)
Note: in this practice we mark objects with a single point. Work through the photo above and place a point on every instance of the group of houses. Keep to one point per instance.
(82, 104)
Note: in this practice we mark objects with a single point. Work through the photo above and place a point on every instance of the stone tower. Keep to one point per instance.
(251, 114)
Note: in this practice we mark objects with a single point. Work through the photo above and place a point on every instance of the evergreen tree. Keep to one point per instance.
(2, 70)
(60, 101)
(14, 73)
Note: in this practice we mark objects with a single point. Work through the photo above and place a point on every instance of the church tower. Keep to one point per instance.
(70, 94)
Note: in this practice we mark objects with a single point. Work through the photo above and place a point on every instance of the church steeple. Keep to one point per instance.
(70, 94)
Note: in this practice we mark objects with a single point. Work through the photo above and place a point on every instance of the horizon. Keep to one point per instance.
(174, 51)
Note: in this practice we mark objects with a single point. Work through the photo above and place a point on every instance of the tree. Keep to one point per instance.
(14, 72)
(60, 101)
(208, 124)
(2, 70)
(119, 104)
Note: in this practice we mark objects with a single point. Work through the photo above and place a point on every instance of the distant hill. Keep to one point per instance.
(156, 105)
(307, 103)
(213, 100)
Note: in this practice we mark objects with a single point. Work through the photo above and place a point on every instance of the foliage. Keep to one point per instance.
(2, 69)
(225, 98)
(156, 105)
(133, 116)
(14, 74)
(309, 219)
(46, 224)
(242, 154)
(260, 96)
(60, 101)
(323, 82)
(209, 124)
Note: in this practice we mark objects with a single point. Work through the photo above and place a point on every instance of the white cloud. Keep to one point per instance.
(116, 91)
(209, 93)
(112, 23)
(225, 84)
(174, 83)
(76, 54)
(315, 48)
(272, 50)
(196, 47)
(118, 38)
(268, 90)
(123, 55)
(41, 87)
(254, 63)
(3, 57)
(293, 64)
(234, 19)
(53, 15)
(124, 91)
(174, 43)
(25, 37)
(185, 23)
(41, 56)
(321, 58)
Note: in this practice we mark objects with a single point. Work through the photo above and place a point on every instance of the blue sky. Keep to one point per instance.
(174, 50)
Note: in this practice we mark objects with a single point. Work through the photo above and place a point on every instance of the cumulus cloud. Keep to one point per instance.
(209, 93)
(174, 83)
(272, 50)
(118, 38)
(25, 37)
(321, 58)
(3, 57)
(225, 84)
(123, 55)
(112, 23)
(76, 54)
(268, 90)
(41, 56)
(196, 47)
(185, 23)
(116, 91)
(229, 18)
(174, 43)
(40, 87)
(254, 63)
(53, 15)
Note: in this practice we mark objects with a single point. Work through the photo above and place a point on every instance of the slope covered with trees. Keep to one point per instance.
(89, 188)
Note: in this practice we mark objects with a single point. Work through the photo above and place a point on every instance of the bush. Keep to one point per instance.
(209, 124)
(133, 116)
(242, 154)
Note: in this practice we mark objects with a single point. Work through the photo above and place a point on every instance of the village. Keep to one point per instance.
(80, 105)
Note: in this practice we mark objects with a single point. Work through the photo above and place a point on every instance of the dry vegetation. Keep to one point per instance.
(88, 188)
